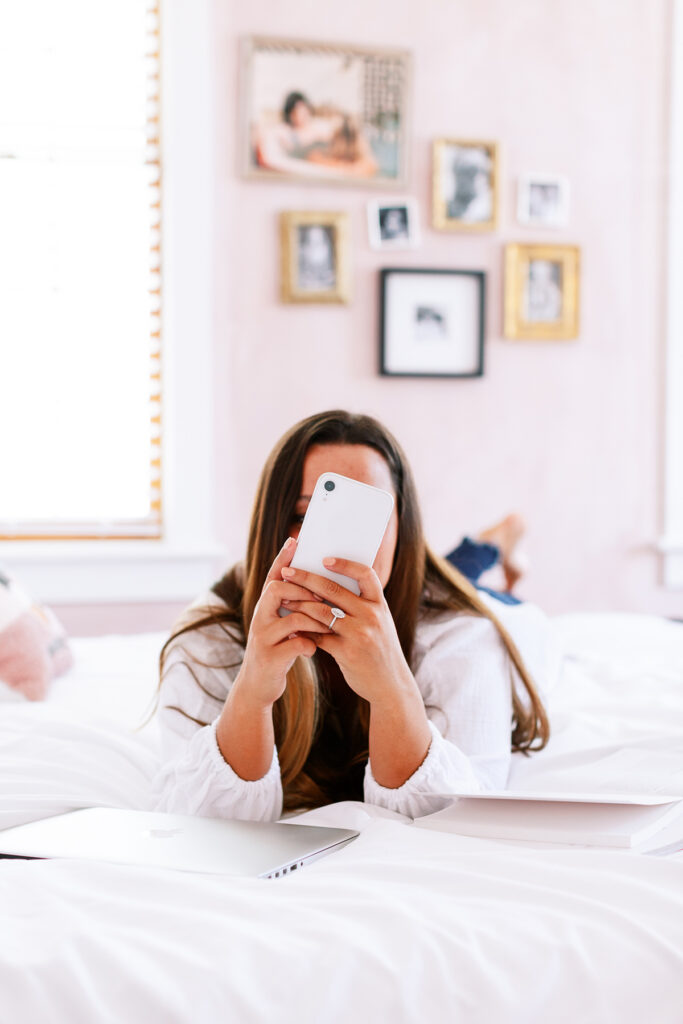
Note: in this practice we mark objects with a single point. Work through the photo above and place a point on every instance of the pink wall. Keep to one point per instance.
(96, 620)
(567, 433)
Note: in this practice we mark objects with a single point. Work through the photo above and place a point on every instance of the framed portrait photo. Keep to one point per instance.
(393, 223)
(432, 323)
(543, 200)
(314, 256)
(324, 112)
(542, 292)
(464, 185)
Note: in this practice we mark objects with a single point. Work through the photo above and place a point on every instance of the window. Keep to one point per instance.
(187, 558)
(80, 281)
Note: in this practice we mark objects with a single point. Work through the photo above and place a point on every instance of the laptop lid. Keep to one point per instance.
(154, 838)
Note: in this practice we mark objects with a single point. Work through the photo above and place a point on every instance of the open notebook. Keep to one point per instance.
(581, 819)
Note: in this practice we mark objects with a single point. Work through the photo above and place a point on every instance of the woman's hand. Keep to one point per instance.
(244, 732)
(274, 642)
(364, 643)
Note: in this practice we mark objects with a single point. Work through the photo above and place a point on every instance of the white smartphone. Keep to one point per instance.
(344, 519)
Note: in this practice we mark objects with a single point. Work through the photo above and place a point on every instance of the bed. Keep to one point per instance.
(405, 924)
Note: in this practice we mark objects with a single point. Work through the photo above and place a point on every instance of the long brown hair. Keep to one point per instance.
(421, 582)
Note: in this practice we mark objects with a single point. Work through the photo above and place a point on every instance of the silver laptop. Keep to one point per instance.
(212, 845)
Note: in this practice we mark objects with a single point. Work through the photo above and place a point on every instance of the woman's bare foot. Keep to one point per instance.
(506, 536)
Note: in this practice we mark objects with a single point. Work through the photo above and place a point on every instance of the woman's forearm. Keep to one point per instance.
(245, 734)
(399, 736)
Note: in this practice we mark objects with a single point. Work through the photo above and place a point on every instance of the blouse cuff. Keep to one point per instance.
(201, 782)
(221, 766)
(445, 771)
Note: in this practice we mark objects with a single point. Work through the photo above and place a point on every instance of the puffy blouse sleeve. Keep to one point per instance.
(466, 678)
(199, 669)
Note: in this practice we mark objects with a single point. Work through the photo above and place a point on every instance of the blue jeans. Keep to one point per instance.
(472, 558)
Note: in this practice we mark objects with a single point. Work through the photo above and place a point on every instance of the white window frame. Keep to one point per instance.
(187, 559)
(671, 543)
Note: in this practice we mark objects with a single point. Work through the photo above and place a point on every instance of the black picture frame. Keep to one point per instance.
(428, 330)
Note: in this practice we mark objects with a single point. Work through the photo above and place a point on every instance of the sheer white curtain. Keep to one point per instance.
(80, 316)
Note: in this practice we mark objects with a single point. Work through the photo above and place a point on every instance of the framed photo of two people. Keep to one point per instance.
(324, 112)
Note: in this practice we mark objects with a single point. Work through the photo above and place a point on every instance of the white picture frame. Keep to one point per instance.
(543, 200)
(393, 223)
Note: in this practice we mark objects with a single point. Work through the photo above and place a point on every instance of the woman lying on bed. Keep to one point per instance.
(423, 688)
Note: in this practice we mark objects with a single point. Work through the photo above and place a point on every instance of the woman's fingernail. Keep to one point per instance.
(288, 543)
(287, 571)
(329, 562)
(284, 602)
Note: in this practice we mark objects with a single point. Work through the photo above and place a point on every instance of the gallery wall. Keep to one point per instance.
(567, 433)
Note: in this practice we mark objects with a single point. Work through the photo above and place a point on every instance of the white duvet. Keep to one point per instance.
(403, 924)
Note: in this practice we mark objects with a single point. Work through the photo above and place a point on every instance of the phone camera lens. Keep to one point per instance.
(329, 485)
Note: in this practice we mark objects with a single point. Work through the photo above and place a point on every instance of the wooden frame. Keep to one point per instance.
(431, 322)
(323, 275)
(324, 112)
(546, 309)
(465, 185)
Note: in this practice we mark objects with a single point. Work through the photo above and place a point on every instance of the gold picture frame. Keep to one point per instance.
(542, 292)
(465, 185)
(314, 256)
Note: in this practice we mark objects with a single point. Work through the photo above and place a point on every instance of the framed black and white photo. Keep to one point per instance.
(464, 185)
(314, 256)
(432, 322)
(393, 223)
(543, 200)
(324, 112)
(541, 292)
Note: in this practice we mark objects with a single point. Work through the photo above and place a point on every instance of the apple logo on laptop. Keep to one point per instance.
(163, 833)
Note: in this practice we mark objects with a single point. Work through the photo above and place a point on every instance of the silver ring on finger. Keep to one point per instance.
(337, 613)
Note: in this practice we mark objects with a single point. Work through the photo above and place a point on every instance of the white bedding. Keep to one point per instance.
(404, 924)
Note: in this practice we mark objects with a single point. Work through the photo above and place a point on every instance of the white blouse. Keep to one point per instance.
(463, 672)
